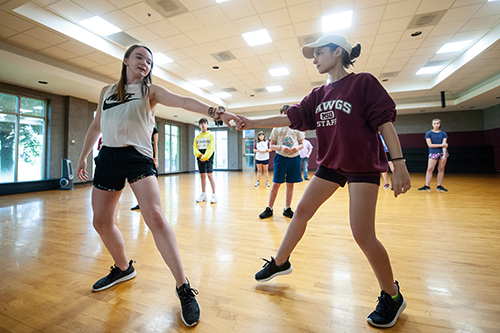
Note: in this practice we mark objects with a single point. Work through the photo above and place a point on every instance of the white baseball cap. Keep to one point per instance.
(308, 49)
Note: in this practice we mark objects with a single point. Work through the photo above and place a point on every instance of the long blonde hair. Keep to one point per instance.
(122, 83)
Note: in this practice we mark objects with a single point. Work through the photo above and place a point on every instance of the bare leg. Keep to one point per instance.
(259, 171)
(362, 204)
(289, 194)
(316, 193)
(430, 169)
(272, 195)
(203, 177)
(148, 194)
(212, 181)
(441, 165)
(385, 175)
(104, 208)
(266, 172)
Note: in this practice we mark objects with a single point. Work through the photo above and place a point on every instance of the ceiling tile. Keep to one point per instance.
(97, 7)
(71, 10)
(237, 9)
(275, 18)
(163, 28)
(201, 36)
(58, 53)
(401, 9)
(121, 20)
(305, 12)
(186, 22)
(14, 23)
(142, 34)
(262, 6)
(143, 13)
(224, 30)
(247, 24)
(124, 3)
(209, 15)
(46, 36)
(28, 42)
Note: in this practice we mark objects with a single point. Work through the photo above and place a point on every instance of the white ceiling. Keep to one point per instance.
(38, 41)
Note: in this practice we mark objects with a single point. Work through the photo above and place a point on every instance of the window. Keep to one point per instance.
(22, 138)
(171, 148)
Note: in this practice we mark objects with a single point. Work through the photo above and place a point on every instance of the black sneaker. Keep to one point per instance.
(115, 276)
(267, 213)
(441, 189)
(425, 188)
(135, 208)
(388, 309)
(288, 212)
(270, 270)
(190, 310)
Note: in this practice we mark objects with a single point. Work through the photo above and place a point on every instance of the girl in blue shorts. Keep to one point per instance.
(437, 141)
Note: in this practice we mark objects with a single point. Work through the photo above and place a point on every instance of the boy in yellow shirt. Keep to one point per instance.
(203, 148)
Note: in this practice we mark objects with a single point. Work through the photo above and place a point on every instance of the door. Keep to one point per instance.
(248, 154)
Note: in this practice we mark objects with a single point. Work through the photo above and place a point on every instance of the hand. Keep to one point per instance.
(226, 117)
(287, 150)
(82, 170)
(244, 123)
(445, 145)
(400, 178)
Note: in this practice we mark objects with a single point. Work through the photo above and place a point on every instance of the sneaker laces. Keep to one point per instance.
(187, 293)
(384, 303)
(267, 262)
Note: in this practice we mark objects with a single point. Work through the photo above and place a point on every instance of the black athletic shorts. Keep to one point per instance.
(206, 166)
(115, 165)
(341, 177)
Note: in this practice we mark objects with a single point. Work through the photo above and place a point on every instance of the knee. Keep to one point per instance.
(363, 239)
(155, 220)
(102, 226)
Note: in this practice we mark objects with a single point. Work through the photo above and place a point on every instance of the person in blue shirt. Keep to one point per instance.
(438, 151)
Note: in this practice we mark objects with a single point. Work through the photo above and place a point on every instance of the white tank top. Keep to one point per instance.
(129, 123)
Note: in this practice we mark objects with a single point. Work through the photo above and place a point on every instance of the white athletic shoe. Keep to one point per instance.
(202, 197)
(214, 198)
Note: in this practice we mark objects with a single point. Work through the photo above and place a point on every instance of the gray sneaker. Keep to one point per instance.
(115, 276)
(190, 312)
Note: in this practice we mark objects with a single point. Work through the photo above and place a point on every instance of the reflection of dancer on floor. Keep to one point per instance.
(437, 141)
(154, 144)
(125, 115)
(347, 115)
(261, 149)
(385, 174)
(203, 149)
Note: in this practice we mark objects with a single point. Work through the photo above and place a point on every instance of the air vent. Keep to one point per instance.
(318, 83)
(260, 90)
(427, 19)
(388, 75)
(303, 40)
(229, 89)
(223, 56)
(168, 8)
(123, 39)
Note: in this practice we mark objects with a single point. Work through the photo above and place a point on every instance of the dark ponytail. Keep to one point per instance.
(347, 60)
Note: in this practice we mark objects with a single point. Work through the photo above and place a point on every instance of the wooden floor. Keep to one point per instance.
(444, 248)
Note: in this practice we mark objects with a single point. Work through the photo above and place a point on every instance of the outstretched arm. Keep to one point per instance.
(269, 122)
(401, 182)
(160, 95)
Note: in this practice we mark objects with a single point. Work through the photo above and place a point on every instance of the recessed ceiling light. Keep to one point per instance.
(274, 88)
(416, 33)
(336, 21)
(454, 47)
(257, 37)
(43, 82)
(215, 67)
(428, 70)
(203, 83)
(223, 94)
(279, 71)
(219, 1)
(160, 59)
(99, 26)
